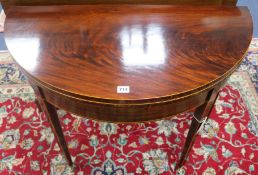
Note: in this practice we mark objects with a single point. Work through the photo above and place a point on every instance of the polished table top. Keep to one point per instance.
(168, 59)
(161, 52)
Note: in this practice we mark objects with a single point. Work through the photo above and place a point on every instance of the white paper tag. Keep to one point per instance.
(123, 89)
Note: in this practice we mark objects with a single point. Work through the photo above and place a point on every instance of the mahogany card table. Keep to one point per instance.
(127, 63)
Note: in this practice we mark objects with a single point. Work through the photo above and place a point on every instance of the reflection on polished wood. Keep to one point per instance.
(172, 58)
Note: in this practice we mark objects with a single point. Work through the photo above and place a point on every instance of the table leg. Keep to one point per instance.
(200, 115)
(52, 117)
(38, 105)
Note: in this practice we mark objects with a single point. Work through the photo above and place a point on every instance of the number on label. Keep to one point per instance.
(123, 89)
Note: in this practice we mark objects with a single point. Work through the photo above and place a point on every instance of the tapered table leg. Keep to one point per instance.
(51, 114)
(200, 115)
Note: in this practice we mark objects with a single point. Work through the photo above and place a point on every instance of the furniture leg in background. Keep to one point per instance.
(200, 116)
(52, 117)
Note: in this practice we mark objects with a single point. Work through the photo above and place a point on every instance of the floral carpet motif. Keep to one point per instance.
(228, 143)
(250, 63)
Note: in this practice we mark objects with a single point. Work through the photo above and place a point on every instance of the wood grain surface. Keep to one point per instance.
(161, 52)
(8, 3)
(173, 59)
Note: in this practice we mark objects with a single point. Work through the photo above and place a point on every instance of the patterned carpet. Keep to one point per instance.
(228, 143)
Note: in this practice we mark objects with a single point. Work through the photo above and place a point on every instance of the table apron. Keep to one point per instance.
(124, 113)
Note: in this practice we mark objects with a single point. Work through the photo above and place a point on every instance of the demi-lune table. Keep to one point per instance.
(127, 63)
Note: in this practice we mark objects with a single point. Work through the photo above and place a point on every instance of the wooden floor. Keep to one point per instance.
(251, 4)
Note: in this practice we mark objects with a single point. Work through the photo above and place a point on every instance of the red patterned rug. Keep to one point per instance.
(228, 143)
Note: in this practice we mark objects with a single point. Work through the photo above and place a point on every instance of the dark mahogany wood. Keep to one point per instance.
(164, 53)
(52, 117)
(201, 113)
(7, 3)
(174, 58)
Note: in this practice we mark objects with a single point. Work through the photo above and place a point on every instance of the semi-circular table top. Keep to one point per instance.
(160, 52)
